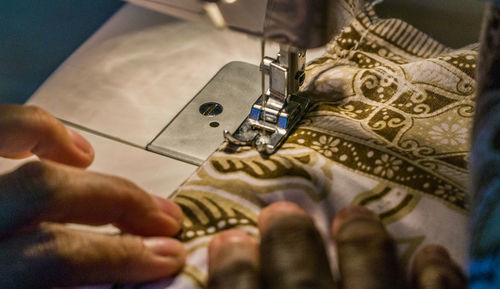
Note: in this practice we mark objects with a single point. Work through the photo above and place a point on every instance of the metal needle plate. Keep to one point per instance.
(223, 104)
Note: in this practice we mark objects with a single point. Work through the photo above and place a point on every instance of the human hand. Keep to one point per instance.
(37, 251)
(29, 130)
(292, 255)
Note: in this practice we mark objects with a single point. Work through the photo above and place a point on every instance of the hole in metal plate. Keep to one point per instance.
(211, 109)
(193, 135)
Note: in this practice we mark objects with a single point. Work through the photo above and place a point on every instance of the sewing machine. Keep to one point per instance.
(145, 78)
(278, 107)
(432, 16)
(296, 26)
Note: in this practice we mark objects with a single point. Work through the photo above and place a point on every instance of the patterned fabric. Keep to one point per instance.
(388, 129)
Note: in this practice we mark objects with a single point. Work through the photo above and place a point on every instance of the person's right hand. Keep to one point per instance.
(37, 251)
(291, 255)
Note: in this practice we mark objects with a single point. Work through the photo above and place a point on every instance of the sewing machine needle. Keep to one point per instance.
(263, 76)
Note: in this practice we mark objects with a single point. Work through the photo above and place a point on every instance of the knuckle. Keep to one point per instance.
(95, 257)
(65, 245)
(128, 250)
(289, 222)
(292, 247)
(70, 256)
(33, 170)
(129, 193)
(57, 242)
(35, 111)
(365, 239)
(113, 252)
(41, 120)
(363, 231)
(37, 114)
(131, 246)
(126, 186)
(26, 194)
(53, 247)
(38, 178)
(290, 230)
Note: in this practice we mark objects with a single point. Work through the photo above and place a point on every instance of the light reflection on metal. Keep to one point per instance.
(279, 109)
(296, 25)
(215, 15)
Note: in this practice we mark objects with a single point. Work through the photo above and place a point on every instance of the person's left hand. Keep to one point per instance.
(292, 255)
(36, 199)
(30, 130)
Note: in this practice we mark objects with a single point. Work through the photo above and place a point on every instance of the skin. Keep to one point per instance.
(366, 253)
(39, 197)
(292, 255)
(38, 251)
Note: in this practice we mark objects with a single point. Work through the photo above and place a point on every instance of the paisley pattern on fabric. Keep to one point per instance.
(388, 129)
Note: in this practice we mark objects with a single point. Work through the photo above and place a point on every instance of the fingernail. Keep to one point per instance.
(428, 258)
(434, 251)
(276, 211)
(350, 214)
(80, 142)
(230, 247)
(229, 237)
(166, 247)
(170, 208)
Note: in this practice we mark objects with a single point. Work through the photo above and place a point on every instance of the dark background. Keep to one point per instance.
(37, 36)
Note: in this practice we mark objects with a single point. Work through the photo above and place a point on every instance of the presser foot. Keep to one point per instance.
(266, 129)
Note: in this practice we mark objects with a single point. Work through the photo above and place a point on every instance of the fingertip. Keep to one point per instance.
(61, 144)
(93, 258)
(160, 224)
(232, 247)
(170, 208)
(169, 253)
(292, 248)
(363, 244)
(151, 223)
(429, 254)
(433, 250)
(80, 142)
(349, 214)
(229, 237)
(276, 211)
(83, 146)
(433, 267)
(30, 130)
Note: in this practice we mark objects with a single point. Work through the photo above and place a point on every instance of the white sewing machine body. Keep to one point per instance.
(435, 17)
(126, 83)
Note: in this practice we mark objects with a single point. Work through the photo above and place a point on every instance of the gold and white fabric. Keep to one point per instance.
(388, 129)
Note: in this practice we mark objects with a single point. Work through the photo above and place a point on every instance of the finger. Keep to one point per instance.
(27, 130)
(57, 256)
(434, 269)
(292, 252)
(46, 191)
(233, 261)
(366, 253)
